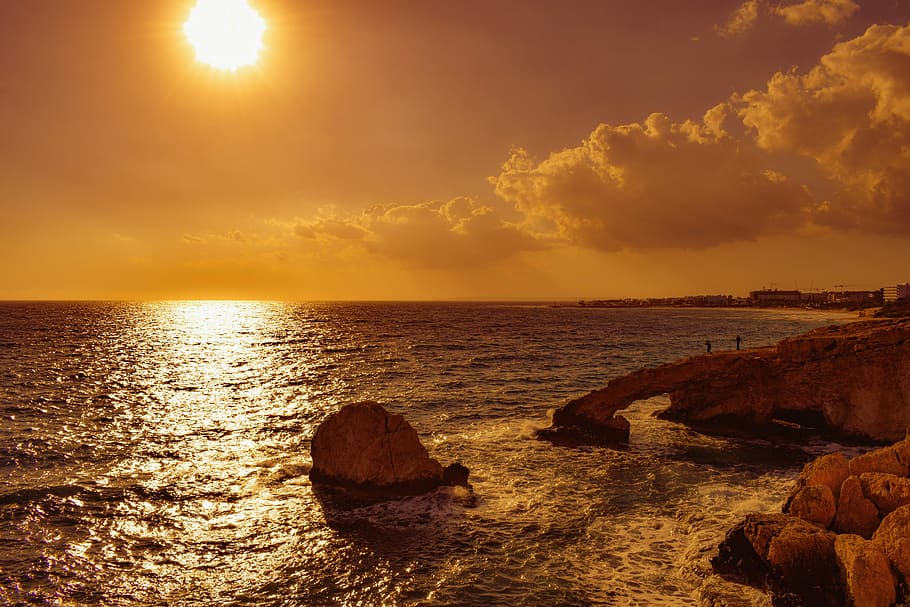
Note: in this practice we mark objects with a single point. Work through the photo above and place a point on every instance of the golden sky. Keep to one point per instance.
(473, 149)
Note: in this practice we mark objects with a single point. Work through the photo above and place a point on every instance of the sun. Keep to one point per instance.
(226, 34)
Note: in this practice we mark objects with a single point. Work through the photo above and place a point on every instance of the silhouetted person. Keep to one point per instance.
(708, 346)
(738, 341)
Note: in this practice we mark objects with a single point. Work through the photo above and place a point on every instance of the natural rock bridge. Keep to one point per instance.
(852, 379)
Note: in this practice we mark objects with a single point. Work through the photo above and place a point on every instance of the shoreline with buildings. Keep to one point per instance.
(766, 298)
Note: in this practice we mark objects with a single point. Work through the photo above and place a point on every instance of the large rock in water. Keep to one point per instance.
(364, 446)
(852, 379)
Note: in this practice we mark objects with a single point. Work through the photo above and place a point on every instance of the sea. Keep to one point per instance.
(157, 454)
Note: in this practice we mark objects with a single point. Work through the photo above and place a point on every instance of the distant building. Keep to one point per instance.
(896, 292)
(707, 301)
(774, 297)
(859, 297)
(818, 298)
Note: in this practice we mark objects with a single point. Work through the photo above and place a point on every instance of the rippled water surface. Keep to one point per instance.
(157, 454)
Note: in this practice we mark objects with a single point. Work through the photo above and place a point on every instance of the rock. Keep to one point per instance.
(887, 491)
(744, 551)
(865, 571)
(880, 460)
(852, 379)
(830, 470)
(893, 537)
(802, 558)
(902, 450)
(814, 504)
(568, 428)
(792, 559)
(855, 513)
(456, 475)
(365, 447)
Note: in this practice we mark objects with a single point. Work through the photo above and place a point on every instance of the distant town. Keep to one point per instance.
(839, 298)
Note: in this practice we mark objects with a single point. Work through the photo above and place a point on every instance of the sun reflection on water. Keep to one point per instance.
(206, 460)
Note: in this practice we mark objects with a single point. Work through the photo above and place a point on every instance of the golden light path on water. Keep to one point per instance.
(219, 497)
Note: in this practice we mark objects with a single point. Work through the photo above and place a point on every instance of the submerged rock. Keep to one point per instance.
(852, 379)
(365, 447)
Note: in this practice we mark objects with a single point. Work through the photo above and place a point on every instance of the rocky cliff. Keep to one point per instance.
(852, 379)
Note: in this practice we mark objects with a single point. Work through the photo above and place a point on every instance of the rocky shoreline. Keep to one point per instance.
(843, 537)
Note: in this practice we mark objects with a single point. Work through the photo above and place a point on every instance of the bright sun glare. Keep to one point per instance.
(227, 34)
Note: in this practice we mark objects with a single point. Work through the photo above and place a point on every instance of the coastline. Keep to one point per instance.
(632, 306)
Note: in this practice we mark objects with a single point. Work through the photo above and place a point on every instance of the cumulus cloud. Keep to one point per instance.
(663, 184)
(817, 11)
(457, 233)
(742, 19)
(851, 115)
(655, 185)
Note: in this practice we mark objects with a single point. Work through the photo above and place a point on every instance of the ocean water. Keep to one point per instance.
(157, 454)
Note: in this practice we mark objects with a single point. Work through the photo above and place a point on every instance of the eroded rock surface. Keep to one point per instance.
(364, 446)
(852, 379)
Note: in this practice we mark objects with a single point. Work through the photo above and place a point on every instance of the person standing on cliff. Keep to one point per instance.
(738, 341)
(708, 346)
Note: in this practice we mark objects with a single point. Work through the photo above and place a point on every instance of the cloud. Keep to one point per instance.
(817, 11)
(194, 239)
(457, 233)
(807, 12)
(233, 236)
(742, 19)
(851, 115)
(738, 174)
(655, 185)
(329, 227)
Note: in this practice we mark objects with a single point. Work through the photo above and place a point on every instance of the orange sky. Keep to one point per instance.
(472, 149)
